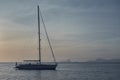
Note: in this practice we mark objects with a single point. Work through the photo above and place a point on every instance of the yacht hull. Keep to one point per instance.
(36, 66)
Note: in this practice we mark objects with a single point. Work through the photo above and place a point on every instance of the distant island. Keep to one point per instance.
(105, 60)
(92, 61)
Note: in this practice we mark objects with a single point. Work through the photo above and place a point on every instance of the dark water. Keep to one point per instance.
(65, 71)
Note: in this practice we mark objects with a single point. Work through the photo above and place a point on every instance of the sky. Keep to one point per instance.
(79, 30)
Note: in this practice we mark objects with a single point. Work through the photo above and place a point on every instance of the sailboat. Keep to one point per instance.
(39, 65)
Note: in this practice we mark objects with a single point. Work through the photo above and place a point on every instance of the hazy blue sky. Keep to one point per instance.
(79, 29)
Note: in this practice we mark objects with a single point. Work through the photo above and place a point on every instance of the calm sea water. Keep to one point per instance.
(65, 71)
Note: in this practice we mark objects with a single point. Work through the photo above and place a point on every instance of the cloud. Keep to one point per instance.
(11, 31)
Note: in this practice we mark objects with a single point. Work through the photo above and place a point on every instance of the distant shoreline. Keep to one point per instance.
(93, 62)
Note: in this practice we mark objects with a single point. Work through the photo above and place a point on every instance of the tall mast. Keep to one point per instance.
(39, 35)
(40, 16)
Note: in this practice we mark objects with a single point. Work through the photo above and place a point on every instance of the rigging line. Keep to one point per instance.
(47, 37)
